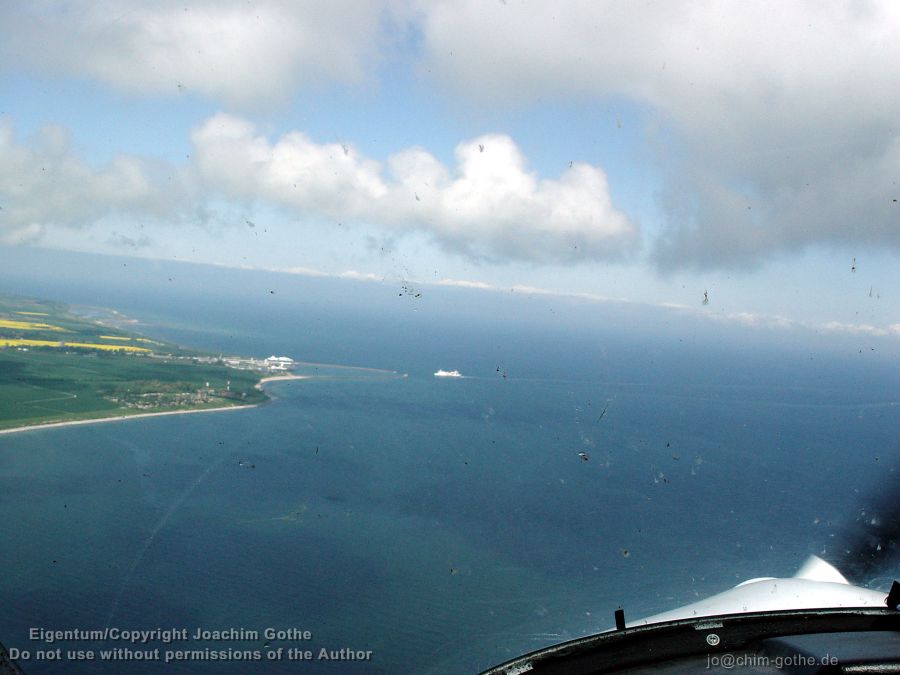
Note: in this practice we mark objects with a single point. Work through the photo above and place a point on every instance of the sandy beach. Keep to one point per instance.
(120, 418)
(275, 378)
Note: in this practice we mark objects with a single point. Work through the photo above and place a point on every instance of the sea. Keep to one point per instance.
(377, 519)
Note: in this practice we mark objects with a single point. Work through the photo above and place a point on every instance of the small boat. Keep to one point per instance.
(448, 373)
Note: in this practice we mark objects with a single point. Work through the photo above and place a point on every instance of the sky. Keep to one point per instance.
(615, 151)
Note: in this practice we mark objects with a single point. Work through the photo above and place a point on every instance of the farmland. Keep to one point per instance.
(56, 366)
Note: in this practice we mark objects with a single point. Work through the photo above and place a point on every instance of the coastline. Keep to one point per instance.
(276, 378)
(119, 418)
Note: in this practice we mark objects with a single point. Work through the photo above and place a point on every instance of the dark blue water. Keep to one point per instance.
(445, 525)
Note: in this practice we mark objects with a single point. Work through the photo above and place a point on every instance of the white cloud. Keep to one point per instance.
(360, 276)
(330, 180)
(298, 270)
(462, 283)
(857, 328)
(785, 115)
(44, 183)
(489, 206)
(749, 319)
(244, 53)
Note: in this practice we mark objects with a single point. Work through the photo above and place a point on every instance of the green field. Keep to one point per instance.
(87, 373)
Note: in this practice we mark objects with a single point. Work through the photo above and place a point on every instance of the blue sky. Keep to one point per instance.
(597, 149)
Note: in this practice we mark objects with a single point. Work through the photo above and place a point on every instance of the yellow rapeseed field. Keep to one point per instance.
(110, 348)
(81, 345)
(34, 313)
(115, 337)
(29, 325)
(28, 343)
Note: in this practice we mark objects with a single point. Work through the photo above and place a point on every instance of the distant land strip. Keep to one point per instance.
(344, 367)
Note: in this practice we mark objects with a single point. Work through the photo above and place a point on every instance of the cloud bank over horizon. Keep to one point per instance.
(489, 206)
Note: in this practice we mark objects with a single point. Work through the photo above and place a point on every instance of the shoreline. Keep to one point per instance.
(278, 378)
(119, 418)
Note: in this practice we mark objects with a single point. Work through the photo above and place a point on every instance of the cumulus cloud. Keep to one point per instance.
(859, 328)
(463, 283)
(43, 182)
(359, 276)
(244, 53)
(785, 114)
(490, 205)
(301, 271)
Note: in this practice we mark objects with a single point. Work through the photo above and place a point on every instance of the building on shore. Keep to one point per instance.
(279, 363)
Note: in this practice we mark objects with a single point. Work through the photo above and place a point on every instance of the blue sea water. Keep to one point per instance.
(444, 524)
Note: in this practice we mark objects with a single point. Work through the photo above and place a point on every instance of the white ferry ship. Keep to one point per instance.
(448, 373)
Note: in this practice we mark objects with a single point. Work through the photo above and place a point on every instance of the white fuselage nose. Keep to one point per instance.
(817, 585)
